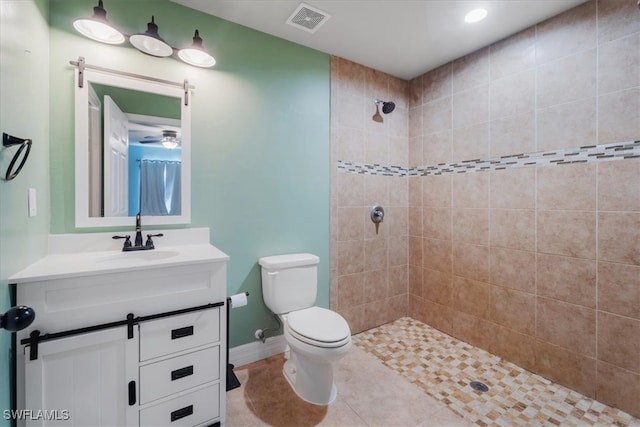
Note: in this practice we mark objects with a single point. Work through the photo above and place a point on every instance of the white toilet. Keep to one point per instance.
(317, 337)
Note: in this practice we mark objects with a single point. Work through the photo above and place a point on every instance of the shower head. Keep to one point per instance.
(387, 106)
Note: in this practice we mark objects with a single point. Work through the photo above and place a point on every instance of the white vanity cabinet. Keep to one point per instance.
(124, 341)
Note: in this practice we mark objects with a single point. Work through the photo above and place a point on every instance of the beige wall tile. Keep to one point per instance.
(567, 79)
(471, 226)
(376, 148)
(471, 70)
(567, 125)
(513, 346)
(415, 92)
(618, 388)
(397, 218)
(513, 309)
(616, 19)
(436, 115)
(333, 290)
(436, 191)
(567, 279)
(437, 286)
(415, 281)
(376, 190)
(415, 250)
(470, 190)
(399, 92)
(570, 233)
(351, 77)
(470, 107)
(354, 317)
(350, 257)
(415, 121)
(513, 94)
(415, 151)
(471, 261)
(349, 144)
(415, 220)
(619, 289)
(350, 290)
(619, 185)
(471, 296)
(513, 135)
(512, 229)
(374, 286)
(619, 116)
(472, 329)
(567, 325)
(513, 269)
(619, 64)
(398, 280)
(437, 223)
(619, 341)
(350, 110)
(471, 142)
(376, 84)
(570, 32)
(399, 149)
(436, 84)
(415, 191)
(568, 187)
(513, 189)
(375, 254)
(398, 122)
(566, 368)
(350, 189)
(514, 54)
(619, 237)
(437, 148)
(351, 223)
(398, 192)
(437, 255)
(398, 251)
(438, 316)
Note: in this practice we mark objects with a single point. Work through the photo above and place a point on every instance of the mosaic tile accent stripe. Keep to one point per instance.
(444, 366)
(587, 154)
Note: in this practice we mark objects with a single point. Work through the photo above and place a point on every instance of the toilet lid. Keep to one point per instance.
(318, 324)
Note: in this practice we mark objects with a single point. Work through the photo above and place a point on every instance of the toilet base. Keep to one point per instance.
(317, 389)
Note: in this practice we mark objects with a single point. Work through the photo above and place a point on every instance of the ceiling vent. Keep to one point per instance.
(308, 18)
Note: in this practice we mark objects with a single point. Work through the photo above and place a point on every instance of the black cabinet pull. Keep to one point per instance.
(181, 332)
(181, 373)
(132, 393)
(181, 413)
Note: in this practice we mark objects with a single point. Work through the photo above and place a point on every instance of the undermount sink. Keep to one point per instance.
(138, 256)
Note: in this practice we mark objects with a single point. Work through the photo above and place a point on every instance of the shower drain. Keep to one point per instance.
(478, 386)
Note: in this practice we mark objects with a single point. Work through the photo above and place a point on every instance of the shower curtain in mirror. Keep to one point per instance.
(160, 187)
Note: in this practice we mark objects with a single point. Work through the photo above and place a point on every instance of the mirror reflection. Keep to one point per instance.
(132, 149)
(135, 152)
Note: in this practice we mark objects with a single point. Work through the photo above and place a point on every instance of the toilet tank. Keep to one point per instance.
(289, 282)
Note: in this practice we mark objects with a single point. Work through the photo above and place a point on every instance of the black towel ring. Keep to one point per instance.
(7, 141)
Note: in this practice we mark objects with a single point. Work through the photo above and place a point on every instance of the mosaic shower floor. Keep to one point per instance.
(443, 366)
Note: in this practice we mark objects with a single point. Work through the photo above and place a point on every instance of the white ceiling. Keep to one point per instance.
(404, 38)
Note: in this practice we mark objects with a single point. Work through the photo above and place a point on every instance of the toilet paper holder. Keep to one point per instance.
(232, 379)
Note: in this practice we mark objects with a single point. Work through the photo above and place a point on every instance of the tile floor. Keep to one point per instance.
(406, 373)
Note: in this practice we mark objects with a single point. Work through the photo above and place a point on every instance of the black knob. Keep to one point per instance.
(17, 318)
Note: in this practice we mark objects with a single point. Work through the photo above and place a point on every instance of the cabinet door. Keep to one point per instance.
(84, 380)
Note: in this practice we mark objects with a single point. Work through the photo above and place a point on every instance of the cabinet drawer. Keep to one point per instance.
(188, 410)
(179, 373)
(176, 333)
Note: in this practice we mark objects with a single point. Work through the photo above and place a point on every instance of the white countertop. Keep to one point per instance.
(62, 263)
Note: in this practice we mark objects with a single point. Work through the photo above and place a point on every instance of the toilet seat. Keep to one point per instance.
(319, 327)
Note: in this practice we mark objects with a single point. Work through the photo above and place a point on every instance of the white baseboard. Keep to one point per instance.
(257, 350)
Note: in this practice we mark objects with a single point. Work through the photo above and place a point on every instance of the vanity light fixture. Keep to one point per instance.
(476, 15)
(150, 41)
(196, 54)
(98, 28)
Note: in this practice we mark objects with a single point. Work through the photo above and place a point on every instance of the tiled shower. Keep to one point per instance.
(537, 264)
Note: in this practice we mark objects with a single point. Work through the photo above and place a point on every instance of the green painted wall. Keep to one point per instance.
(260, 137)
(24, 112)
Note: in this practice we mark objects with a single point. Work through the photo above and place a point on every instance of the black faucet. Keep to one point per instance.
(138, 246)
(138, 241)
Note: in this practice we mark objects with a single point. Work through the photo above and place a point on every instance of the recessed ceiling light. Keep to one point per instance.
(476, 15)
